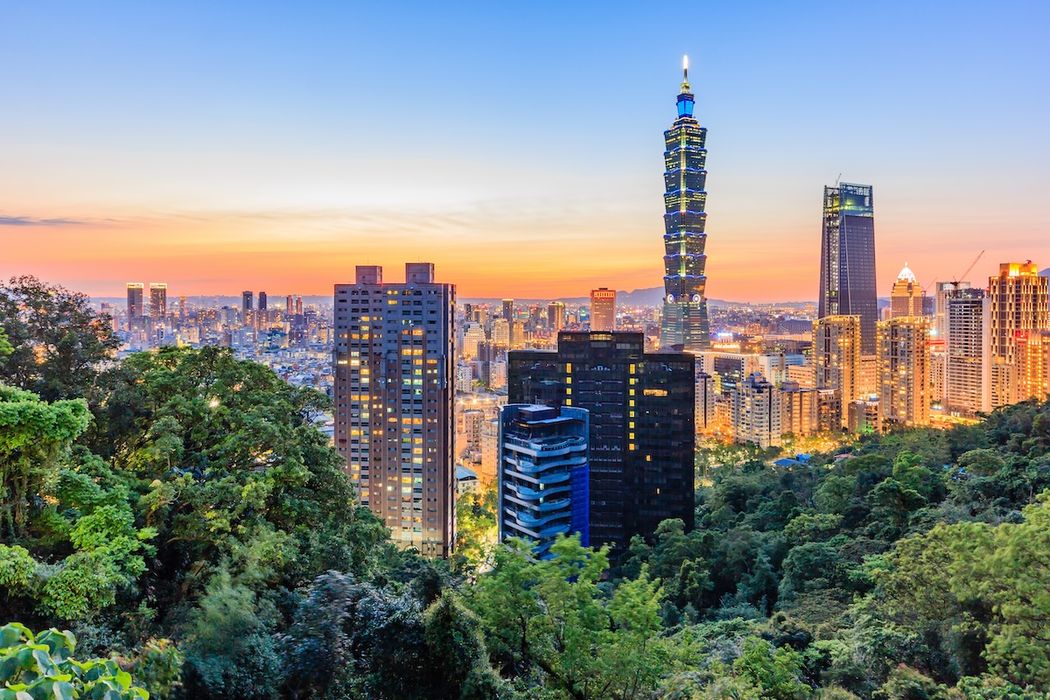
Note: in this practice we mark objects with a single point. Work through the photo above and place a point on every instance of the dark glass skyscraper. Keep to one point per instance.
(847, 259)
(685, 306)
(641, 407)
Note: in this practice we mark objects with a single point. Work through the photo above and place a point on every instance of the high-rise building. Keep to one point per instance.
(246, 301)
(939, 329)
(847, 259)
(394, 383)
(906, 297)
(798, 410)
(544, 475)
(1017, 300)
(865, 416)
(262, 301)
(705, 399)
(298, 305)
(964, 335)
(555, 316)
(641, 424)
(684, 321)
(135, 307)
(501, 332)
(904, 370)
(603, 309)
(756, 412)
(289, 305)
(836, 358)
(158, 300)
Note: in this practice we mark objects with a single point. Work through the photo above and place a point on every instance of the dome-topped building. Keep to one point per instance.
(907, 296)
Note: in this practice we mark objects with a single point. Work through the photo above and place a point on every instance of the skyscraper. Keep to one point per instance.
(394, 385)
(603, 309)
(543, 474)
(964, 336)
(158, 300)
(847, 259)
(555, 316)
(904, 370)
(135, 307)
(262, 301)
(684, 322)
(246, 301)
(641, 409)
(289, 305)
(836, 358)
(756, 412)
(906, 296)
(1017, 299)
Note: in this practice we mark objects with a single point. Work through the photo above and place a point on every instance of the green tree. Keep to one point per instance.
(57, 341)
(36, 666)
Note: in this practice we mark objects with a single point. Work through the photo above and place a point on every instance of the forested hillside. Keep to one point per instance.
(181, 517)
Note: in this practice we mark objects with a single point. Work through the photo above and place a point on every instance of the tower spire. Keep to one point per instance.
(685, 73)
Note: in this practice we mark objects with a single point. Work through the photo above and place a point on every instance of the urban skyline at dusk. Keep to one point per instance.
(277, 158)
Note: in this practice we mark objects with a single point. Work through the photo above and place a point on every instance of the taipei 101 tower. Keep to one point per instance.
(685, 321)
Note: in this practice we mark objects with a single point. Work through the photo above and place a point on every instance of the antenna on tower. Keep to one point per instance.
(685, 67)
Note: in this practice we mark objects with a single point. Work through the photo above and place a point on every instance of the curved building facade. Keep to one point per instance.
(544, 474)
(684, 321)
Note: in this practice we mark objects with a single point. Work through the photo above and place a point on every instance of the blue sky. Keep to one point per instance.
(528, 131)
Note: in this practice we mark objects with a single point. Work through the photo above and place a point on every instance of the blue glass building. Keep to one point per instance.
(544, 474)
(684, 321)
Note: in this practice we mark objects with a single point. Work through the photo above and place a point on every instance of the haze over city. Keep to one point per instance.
(517, 148)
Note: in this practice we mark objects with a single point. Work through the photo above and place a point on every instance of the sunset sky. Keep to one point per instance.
(228, 146)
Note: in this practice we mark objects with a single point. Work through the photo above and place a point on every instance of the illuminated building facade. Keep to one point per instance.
(603, 309)
(798, 410)
(158, 300)
(544, 474)
(555, 316)
(906, 296)
(847, 259)
(1017, 305)
(904, 370)
(394, 376)
(836, 359)
(756, 412)
(136, 310)
(684, 322)
(642, 438)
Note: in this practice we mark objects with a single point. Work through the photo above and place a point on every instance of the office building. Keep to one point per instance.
(756, 412)
(904, 370)
(247, 303)
(965, 310)
(836, 358)
(906, 297)
(847, 259)
(394, 383)
(158, 300)
(943, 290)
(1017, 306)
(135, 307)
(543, 474)
(684, 320)
(262, 302)
(501, 333)
(642, 437)
(555, 316)
(603, 309)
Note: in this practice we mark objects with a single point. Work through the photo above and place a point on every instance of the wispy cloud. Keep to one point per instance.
(33, 221)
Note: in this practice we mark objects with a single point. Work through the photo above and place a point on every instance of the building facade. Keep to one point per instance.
(906, 297)
(904, 370)
(847, 259)
(965, 310)
(394, 385)
(684, 321)
(136, 310)
(756, 412)
(642, 438)
(836, 358)
(543, 474)
(158, 300)
(603, 309)
(1017, 307)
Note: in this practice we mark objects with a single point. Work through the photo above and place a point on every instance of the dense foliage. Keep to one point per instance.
(179, 514)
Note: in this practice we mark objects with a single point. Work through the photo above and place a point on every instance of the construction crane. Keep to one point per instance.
(967, 270)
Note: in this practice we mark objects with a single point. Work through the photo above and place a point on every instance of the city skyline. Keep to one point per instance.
(280, 165)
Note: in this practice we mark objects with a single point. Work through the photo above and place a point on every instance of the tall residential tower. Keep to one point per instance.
(685, 321)
(393, 401)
